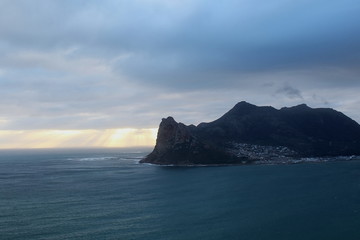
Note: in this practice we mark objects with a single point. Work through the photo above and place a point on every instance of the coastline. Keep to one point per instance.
(265, 162)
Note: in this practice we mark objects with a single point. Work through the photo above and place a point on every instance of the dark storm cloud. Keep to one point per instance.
(91, 64)
(167, 42)
(219, 42)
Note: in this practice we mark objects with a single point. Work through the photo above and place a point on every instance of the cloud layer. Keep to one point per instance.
(126, 64)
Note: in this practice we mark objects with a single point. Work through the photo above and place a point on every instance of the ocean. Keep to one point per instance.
(107, 194)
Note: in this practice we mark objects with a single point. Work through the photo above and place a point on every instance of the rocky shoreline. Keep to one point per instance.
(287, 161)
(308, 160)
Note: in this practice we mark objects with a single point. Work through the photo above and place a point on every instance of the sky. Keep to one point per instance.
(88, 73)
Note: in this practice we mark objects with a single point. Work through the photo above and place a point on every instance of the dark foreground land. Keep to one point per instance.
(250, 134)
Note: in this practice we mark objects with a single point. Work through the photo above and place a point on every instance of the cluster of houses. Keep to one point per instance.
(276, 154)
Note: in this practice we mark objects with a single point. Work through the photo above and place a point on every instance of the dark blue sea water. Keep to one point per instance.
(106, 194)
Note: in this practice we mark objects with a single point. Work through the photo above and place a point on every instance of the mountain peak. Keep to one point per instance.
(302, 106)
(243, 104)
(168, 120)
(242, 107)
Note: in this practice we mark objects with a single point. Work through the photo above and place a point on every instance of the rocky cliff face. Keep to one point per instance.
(173, 139)
(178, 144)
(249, 133)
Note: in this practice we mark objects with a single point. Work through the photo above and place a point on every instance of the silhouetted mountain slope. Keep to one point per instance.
(250, 133)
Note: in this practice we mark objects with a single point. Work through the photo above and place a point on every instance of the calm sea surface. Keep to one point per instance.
(106, 194)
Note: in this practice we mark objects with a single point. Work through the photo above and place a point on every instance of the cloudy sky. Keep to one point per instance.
(104, 73)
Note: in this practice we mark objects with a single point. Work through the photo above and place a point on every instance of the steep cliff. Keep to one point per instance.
(178, 144)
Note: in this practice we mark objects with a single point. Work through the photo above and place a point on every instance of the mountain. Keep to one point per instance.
(249, 133)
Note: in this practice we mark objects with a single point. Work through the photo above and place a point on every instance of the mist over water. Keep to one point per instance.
(107, 194)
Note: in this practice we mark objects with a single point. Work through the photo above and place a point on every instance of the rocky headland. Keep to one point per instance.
(251, 134)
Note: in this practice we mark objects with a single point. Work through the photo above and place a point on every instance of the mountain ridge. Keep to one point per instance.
(249, 133)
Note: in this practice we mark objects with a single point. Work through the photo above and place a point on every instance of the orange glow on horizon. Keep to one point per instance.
(123, 137)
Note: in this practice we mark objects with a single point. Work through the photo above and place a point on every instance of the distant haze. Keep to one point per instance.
(79, 73)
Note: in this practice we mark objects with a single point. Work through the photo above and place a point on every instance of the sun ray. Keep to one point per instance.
(122, 137)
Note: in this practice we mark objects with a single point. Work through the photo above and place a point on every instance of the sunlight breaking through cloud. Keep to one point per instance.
(125, 137)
